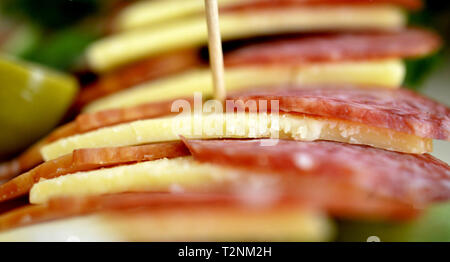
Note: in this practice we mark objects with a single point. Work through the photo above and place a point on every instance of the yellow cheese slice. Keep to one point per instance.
(153, 176)
(149, 13)
(384, 73)
(216, 225)
(239, 125)
(120, 49)
(226, 224)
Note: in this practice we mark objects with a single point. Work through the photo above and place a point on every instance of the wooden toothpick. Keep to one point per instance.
(215, 49)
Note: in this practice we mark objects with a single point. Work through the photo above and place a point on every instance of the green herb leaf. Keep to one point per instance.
(62, 49)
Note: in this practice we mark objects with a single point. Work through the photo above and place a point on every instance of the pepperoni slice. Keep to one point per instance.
(399, 109)
(337, 47)
(264, 4)
(89, 159)
(414, 179)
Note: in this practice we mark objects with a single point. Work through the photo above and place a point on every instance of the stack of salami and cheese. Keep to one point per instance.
(316, 129)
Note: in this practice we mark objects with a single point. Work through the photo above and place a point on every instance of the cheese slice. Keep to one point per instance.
(384, 73)
(149, 13)
(88, 228)
(152, 176)
(120, 49)
(218, 224)
(239, 125)
(226, 224)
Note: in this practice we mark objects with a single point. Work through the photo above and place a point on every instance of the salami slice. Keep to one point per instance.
(145, 70)
(337, 47)
(91, 121)
(84, 123)
(89, 159)
(67, 207)
(401, 110)
(263, 4)
(414, 179)
(342, 205)
(24, 162)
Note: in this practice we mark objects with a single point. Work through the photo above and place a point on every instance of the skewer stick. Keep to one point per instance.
(215, 49)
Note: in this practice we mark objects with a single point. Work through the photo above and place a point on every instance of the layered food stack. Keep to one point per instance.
(316, 127)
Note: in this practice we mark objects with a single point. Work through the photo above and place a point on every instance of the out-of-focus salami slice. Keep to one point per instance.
(414, 179)
(24, 162)
(66, 207)
(341, 205)
(91, 121)
(264, 4)
(89, 159)
(138, 73)
(32, 156)
(337, 47)
(401, 110)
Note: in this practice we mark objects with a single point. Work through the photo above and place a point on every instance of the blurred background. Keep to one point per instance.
(55, 33)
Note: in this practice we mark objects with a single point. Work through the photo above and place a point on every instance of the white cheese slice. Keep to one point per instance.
(120, 49)
(238, 125)
(79, 229)
(385, 73)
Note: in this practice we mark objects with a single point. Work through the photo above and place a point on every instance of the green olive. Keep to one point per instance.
(33, 99)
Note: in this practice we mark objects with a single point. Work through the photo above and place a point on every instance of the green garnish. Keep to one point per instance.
(432, 226)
